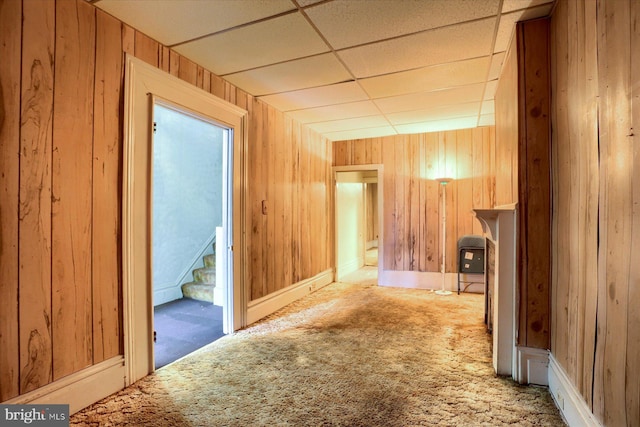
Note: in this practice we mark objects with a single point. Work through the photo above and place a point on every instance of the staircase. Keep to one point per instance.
(204, 280)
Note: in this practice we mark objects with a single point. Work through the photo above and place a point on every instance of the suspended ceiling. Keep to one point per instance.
(348, 69)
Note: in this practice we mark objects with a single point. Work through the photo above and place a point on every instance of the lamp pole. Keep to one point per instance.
(443, 183)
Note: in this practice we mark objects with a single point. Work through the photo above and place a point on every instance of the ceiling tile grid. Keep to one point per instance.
(349, 69)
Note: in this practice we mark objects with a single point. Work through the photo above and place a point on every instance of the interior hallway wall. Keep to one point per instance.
(595, 52)
(412, 204)
(61, 126)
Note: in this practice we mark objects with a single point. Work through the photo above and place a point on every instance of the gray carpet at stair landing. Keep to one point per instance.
(183, 326)
(346, 355)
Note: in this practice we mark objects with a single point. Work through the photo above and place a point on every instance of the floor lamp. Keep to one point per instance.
(443, 183)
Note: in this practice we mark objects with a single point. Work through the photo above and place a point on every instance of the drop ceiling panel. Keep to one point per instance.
(350, 124)
(487, 120)
(335, 112)
(175, 21)
(496, 66)
(361, 133)
(508, 22)
(488, 107)
(433, 114)
(292, 75)
(256, 45)
(490, 89)
(340, 93)
(511, 5)
(427, 100)
(439, 125)
(347, 23)
(454, 43)
(442, 76)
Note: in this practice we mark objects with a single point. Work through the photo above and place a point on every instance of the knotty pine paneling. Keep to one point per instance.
(412, 198)
(595, 174)
(61, 124)
(10, 90)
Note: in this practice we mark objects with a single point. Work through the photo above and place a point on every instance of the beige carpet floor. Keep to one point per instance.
(347, 355)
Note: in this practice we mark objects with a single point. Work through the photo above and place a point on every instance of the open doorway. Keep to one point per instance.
(358, 201)
(188, 207)
(144, 86)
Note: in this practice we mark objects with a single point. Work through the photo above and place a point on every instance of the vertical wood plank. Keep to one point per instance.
(10, 50)
(277, 200)
(413, 199)
(616, 157)
(106, 207)
(188, 71)
(433, 227)
(269, 153)
(534, 204)
(295, 201)
(72, 187)
(288, 207)
(174, 63)
(632, 391)
(35, 195)
(399, 203)
(450, 150)
(258, 192)
(388, 214)
(146, 49)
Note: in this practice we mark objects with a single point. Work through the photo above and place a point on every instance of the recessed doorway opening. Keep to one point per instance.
(188, 208)
(358, 228)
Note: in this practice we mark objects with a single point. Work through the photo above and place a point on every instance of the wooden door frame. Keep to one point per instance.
(142, 81)
(379, 168)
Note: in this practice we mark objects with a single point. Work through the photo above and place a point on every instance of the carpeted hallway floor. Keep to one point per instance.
(347, 355)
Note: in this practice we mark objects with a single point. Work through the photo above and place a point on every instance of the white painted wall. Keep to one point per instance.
(350, 225)
(187, 196)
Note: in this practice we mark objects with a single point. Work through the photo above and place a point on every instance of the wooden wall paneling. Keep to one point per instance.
(450, 153)
(188, 71)
(174, 63)
(128, 44)
(72, 187)
(306, 205)
(534, 202)
(217, 86)
(296, 200)
(10, 50)
(340, 153)
(38, 36)
(257, 194)
(400, 238)
(464, 185)
(422, 215)
(490, 159)
(359, 152)
(329, 204)
(146, 49)
(206, 85)
(433, 243)
(388, 214)
(288, 207)
(589, 143)
(561, 187)
(506, 106)
(414, 201)
(477, 177)
(200, 77)
(107, 154)
(277, 200)
(633, 332)
(616, 170)
(164, 58)
(316, 218)
(270, 152)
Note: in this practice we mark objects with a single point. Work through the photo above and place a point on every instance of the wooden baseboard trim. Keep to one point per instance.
(572, 406)
(79, 389)
(417, 279)
(264, 306)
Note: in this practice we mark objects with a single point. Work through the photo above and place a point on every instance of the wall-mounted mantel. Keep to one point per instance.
(499, 225)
